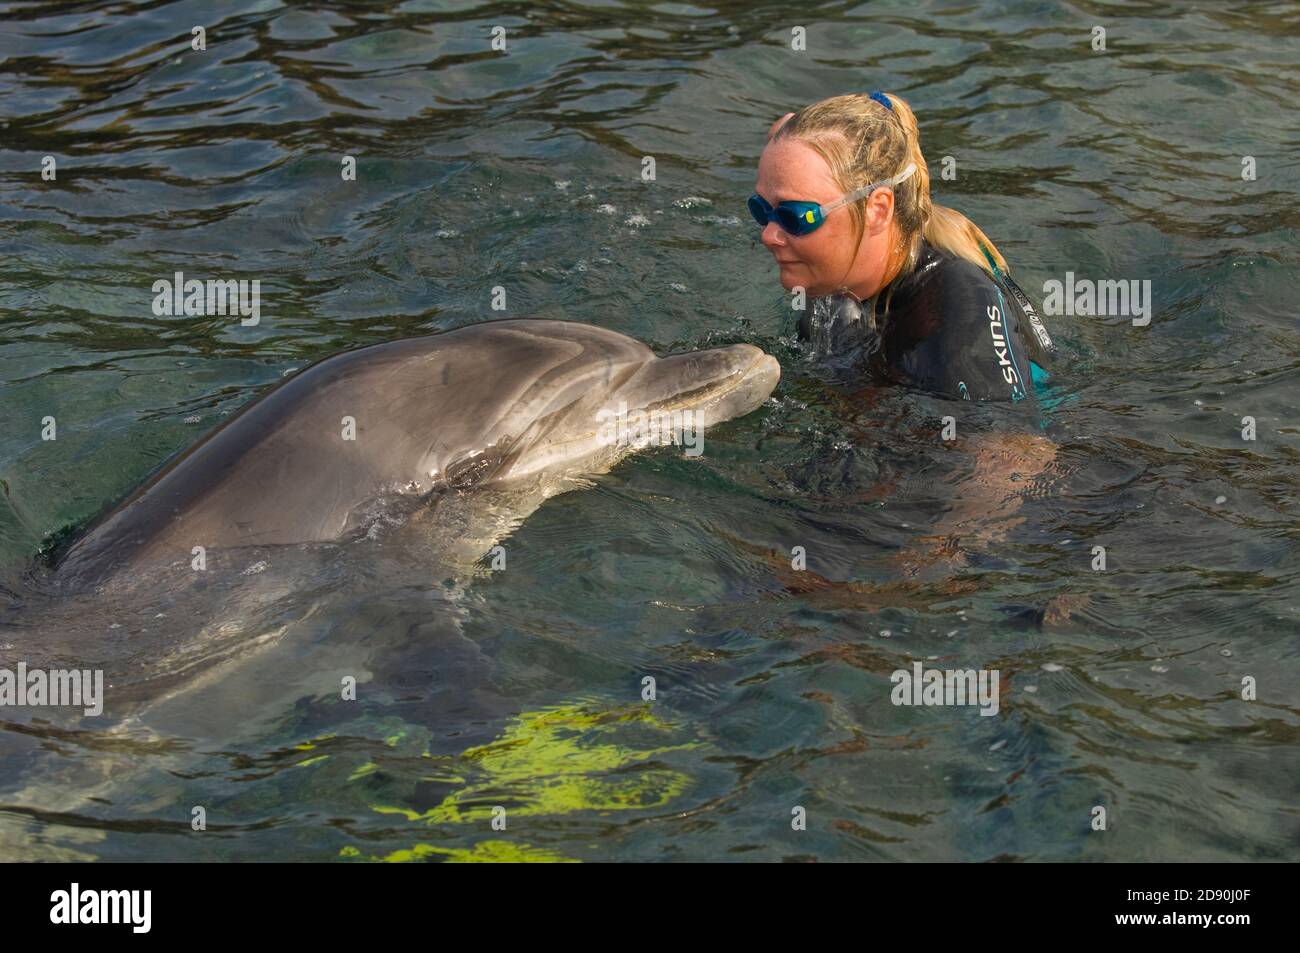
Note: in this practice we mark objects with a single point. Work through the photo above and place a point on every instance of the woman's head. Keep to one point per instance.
(834, 147)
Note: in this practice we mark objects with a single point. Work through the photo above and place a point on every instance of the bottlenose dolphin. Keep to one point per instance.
(486, 405)
(456, 437)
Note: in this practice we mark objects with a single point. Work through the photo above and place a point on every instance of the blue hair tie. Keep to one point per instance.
(883, 100)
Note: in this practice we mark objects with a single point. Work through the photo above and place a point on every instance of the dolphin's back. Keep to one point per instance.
(422, 409)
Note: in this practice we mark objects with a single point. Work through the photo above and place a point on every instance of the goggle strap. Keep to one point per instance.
(868, 189)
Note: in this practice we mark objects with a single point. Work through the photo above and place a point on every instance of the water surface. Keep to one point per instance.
(522, 688)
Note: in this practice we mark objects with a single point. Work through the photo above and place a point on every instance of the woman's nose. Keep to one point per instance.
(772, 235)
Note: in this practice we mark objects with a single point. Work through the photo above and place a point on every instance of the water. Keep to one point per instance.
(522, 688)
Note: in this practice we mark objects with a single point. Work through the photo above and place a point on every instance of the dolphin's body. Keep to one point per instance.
(479, 406)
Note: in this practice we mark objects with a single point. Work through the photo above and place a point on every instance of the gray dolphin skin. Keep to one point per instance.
(478, 406)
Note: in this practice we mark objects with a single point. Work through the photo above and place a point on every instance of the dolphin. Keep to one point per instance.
(483, 406)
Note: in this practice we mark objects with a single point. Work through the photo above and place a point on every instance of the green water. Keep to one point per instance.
(522, 689)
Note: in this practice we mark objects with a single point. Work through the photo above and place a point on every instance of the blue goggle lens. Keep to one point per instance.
(797, 218)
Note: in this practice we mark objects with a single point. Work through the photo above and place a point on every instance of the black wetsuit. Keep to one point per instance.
(951, 328)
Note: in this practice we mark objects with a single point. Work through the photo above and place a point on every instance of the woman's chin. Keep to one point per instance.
(793, 276)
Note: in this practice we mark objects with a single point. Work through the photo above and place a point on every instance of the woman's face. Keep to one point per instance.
(822, 261)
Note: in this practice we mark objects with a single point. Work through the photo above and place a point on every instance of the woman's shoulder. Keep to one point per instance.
(941, 303)
(962, 286)
(941, 277)
(956, 330)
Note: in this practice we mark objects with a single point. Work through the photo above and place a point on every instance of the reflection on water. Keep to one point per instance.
(523, 689)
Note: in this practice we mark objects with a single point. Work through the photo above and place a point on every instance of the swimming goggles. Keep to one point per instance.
(801, 218)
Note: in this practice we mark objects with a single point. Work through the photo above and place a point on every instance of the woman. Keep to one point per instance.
(843, 195)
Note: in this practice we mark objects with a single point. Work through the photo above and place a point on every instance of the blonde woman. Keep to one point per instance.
(843, 195)
(915, 292)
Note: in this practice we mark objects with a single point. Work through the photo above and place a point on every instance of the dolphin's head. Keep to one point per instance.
(600, 395)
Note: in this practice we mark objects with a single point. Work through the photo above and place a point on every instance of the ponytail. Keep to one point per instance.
(953, 232)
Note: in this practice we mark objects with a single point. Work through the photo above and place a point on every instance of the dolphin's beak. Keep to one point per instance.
(752, 383)
(725, 382)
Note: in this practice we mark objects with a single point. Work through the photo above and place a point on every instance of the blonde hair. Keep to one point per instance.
(863, 141)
